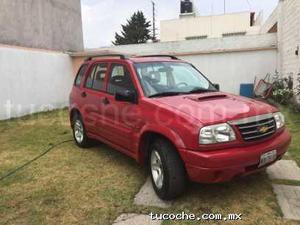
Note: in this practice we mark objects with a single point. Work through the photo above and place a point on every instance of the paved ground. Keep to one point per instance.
(288, 197)
(284, 170)
(135, 219)
(148, 197)
(289, 200)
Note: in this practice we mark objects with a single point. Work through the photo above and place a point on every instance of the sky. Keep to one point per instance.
(102, 18)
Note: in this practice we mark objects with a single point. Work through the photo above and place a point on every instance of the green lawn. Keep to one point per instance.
(293, 123)
(94, 186)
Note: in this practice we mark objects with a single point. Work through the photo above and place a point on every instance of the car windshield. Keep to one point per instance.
(160, 79)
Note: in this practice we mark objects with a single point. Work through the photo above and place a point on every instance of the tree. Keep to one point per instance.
(136, 30)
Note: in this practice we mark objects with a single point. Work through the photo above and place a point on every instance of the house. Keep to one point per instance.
(190, 26)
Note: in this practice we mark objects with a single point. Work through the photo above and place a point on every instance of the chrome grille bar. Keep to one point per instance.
(255, 128)
(259, 136)
(252, 132)
(255, 125)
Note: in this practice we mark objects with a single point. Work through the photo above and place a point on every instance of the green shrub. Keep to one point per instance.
(285, 92)
(283, 89)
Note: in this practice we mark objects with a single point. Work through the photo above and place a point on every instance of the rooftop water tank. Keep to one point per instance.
(186, 6)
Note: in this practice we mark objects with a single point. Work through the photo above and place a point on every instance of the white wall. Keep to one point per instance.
(232, 69)
(228, 61)
(33, 81)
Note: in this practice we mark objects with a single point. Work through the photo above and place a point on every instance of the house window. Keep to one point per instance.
(234, 34)
(196, 37)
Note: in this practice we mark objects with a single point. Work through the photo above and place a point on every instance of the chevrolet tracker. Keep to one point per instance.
(165, 114)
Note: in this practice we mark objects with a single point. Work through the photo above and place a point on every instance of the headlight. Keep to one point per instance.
(216, 134)
(279, 119)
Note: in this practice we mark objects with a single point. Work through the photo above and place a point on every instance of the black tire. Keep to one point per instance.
(85, 142)
(174, 174)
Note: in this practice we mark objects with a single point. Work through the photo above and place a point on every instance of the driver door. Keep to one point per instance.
(121, 118)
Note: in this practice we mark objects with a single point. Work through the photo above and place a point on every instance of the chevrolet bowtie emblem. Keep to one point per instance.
(263, 129)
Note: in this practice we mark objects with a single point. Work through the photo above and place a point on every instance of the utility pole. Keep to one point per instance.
(153, 22)
(224, 6)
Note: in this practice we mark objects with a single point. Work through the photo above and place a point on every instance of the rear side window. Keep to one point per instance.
(96, 78)
(80, 75)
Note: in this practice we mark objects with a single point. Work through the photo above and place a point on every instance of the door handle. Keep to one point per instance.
(83, 94)
(105, 101)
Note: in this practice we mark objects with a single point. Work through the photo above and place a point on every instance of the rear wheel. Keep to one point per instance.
(167, 170)
(79, 132)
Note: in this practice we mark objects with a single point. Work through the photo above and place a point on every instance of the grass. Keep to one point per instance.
(293, 124)
(287, 182)
(94, 186)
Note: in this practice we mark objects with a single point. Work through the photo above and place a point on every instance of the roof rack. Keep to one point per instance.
(107, 55)
(169, 56)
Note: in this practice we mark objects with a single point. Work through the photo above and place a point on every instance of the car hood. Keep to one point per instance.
(216, 107)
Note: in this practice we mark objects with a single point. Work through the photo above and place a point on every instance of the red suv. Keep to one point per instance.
(164, 113)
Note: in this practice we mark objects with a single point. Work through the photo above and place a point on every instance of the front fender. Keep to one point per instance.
(166, 132)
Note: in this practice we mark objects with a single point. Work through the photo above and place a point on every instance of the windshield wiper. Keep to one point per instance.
(165, 94)
(200, 90)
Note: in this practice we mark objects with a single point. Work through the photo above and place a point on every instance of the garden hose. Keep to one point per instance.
(34, 159)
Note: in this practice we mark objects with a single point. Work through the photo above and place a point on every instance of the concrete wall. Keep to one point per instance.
(46, 24)
(33, 81)
(227, 61)
(234, 68)
(36, 80)
(212, 26)
(289, 36)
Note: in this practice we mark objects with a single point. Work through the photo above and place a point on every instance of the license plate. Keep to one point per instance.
(267, 157)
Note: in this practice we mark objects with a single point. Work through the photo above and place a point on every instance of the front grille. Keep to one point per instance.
(256, 130)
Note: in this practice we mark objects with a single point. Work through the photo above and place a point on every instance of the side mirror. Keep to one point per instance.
(217, 86)
(126, 96)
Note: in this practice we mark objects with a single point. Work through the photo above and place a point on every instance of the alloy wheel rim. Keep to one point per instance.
(157, 169)
(78, 131)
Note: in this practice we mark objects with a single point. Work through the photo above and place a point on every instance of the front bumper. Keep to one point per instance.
(224, 165)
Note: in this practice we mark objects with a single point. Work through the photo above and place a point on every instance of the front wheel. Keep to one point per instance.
(167, 170)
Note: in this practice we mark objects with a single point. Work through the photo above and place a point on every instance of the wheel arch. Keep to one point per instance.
(74, 112)
(147, 136)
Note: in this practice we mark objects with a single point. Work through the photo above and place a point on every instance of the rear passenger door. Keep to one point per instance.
(94, 88)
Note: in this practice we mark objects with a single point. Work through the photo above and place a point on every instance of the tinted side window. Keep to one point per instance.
(90, 78)
(99, 77)
(119, 79)
(96, 77)
(80, 75)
